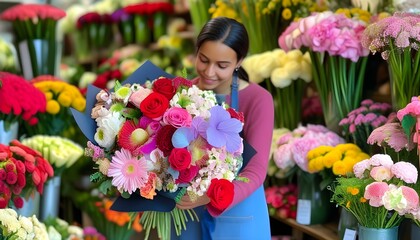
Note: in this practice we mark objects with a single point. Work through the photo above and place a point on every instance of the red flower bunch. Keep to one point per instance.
(149, 8)
(95, 31)
(19, 100)
(282, 200)
(24, 12)
(22, 171)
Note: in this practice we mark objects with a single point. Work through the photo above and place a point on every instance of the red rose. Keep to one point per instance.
(179, 159)
(220, 193)
(164, 86)
(164, 139)
(186, 175)
(234, 114)
(154, 105)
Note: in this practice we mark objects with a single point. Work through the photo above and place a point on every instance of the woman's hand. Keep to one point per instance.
(187, 203)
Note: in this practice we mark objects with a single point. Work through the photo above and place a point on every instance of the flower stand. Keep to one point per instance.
(50, 199)
(8, 135)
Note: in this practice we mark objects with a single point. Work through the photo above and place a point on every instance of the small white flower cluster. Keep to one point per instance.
(15, 226)
(196, 101)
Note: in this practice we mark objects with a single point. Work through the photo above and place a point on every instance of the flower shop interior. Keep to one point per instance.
(346, 116)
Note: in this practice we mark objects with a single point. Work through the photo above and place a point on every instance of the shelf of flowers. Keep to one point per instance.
(327, 231)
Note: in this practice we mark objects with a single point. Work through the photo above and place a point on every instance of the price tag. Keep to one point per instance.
(349, 234)
(303, 214)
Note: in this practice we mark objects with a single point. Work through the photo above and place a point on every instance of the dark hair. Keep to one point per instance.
(231, 33)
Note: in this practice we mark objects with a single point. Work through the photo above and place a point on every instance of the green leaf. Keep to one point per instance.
(96, 177)
(117, 86)
(408, 123)
(105, 186)
(125, 194)
(131, 113)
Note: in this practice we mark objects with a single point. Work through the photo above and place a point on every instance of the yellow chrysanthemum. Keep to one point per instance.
(348, 147)
(53, 107)
(286, 3)
(79, 104)
(339, 168)
(48, 95)
(318, 151)
(64, 99)
(331, 157)
(57, 86)
(286, 14)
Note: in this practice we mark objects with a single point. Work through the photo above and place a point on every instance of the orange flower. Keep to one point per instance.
(120, 218)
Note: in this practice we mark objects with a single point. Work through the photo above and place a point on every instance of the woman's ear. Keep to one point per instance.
(239, 63)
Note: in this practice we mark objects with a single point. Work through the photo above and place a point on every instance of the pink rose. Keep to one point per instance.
(138, 96)
(177, 117)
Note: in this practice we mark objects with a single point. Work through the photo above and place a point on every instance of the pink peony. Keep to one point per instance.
(360, 168)
(374, 193)
(381, 173)
(405, 171)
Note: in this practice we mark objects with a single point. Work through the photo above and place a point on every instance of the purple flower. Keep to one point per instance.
(183, 136)
(223, 130)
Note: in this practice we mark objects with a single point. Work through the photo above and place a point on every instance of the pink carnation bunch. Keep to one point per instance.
(294, 146)
(328, 32)
(282, 200)
(360, 122)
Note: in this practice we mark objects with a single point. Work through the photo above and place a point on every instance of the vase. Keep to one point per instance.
(39, 57)
(7, 135)
(347, 221)
(367, 233)
(314, 205)
(30, 205)
(50, 198)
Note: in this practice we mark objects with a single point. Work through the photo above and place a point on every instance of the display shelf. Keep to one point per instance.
(326, 231)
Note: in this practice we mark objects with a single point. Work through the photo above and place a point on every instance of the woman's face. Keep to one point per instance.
(215, 64)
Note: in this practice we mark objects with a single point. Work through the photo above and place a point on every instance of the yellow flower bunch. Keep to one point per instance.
(61, 95)
(355, 13)
(221, 8)
(295, 9)
(339, 159)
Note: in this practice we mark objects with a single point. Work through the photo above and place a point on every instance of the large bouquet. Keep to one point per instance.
(338, 59)
(380, 193)
(161, 140)
(396, 38)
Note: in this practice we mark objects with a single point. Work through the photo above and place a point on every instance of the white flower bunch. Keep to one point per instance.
(280, 66)
(7, 56)
(60, 152)
(14, 226)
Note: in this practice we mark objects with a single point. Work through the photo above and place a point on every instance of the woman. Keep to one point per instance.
(221, 47)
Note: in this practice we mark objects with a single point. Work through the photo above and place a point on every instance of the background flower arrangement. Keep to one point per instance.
(338, 59)
(380, 193)
(396, 39)
(20, 101)
(282, 200)
(14, 226)
(8, 57)
(60, 96)
(25, 172)
(285, 75)
(35, 27)
(360, 122)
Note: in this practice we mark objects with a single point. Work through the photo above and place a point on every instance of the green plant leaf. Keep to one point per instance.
(408, 123)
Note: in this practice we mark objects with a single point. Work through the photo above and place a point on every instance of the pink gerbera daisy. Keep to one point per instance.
(128, 173)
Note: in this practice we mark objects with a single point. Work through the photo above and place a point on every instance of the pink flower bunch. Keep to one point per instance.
(326, 32)
(387, 185)
(32, 12)
(391, 135)
(282, 200)
(293, 147)
(20, 100)
(22, 171)
(360, 122)
(411, 111)
(398, 31)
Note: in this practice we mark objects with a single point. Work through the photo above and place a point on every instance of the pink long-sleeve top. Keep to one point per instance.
(257, 105)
